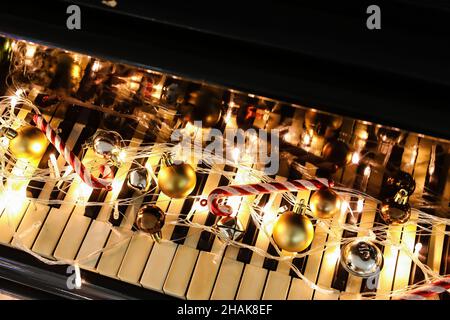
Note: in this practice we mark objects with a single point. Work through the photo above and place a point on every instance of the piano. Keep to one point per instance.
(351, 116)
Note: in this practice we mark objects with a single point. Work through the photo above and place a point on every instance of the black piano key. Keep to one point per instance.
(251, 234)
(180, 232)
(97, 195)
(206, 238)
(127, 192)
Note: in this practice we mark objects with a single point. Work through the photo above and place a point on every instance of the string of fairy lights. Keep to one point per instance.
(21, 143)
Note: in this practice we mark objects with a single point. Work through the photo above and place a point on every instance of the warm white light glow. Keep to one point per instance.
(344, 206)
(287, 137)
(116, 211)
(413, 155)
(356, 157)
(235, 154)
(417, 248)
(13, 199)
(360, 205)
(96, 66)
(367, 171)
(84, 191)
(54, 165)
(30, 51)
(307, 139)
(228, 116)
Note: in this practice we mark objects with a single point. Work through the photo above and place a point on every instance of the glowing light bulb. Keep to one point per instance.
(356, 157)
(287, 137)
(84, 191)
(360, 205)
(30, 51)
(417, 248)
(306, 139)
(96, 66)
(235, 154)
(413, 155)
(367, 171)
(228, 116)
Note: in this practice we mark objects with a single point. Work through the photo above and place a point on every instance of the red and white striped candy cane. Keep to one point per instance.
(428, 290)
(72, 159)
(217, 195)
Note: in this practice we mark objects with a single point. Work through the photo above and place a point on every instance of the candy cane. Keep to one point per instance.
(216, 196)
(70, 157)
(438, 286)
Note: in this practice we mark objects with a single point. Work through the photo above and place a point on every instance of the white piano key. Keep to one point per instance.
(177, 282)
(92, 243)
(277, 286)
(228, 279)
(150, 279)
(330, 258)
(224, 284)
(179, 274)
(254, 276)
(203, 277)
(50, 232)
(36, 215)
(72, 238)
(57, 219)
(135, 258)
(12, 215)
(252, 283)
(158, 265)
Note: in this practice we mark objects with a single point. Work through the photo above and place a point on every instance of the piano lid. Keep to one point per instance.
(328, 59)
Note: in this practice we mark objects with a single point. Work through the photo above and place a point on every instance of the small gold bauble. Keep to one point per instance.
(150, 219)
(30, 143)
(177, 180)
(325, 203)
(293, 232)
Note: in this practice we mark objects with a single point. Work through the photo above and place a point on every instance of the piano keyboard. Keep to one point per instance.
(192, 264)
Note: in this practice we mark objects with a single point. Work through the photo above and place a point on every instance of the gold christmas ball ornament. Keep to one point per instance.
(27, 143)
(362, 258)
(293, 232)
(150, 219)
(325, 203)
(337, 152)
(177, 180)
(396, 210)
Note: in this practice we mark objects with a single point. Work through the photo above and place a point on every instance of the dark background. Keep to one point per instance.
(315, 53)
